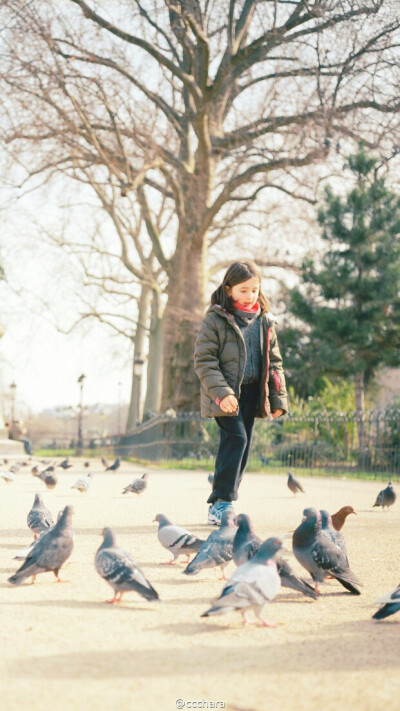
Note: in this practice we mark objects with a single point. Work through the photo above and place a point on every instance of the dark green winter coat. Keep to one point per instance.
(220, 359)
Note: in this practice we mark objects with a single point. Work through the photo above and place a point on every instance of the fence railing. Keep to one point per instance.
(334, 443)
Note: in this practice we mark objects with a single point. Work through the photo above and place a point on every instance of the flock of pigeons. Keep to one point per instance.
(317, 544)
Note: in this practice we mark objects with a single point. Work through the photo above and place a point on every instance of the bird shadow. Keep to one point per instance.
(188, 629)
(371, 511)
(185, 601)
(82, 605)
(13, 546)
(118, 530)
(9, 533)
(292, 657)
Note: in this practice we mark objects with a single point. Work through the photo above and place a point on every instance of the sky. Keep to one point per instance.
(39, 297)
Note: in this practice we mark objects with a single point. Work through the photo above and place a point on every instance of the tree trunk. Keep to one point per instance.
(183, 314)
(154, 366)
(135, 405)
(360, 411)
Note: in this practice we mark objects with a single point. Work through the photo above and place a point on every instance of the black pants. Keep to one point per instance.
(234, 446)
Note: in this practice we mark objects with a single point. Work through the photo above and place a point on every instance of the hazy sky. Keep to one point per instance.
(44, 363)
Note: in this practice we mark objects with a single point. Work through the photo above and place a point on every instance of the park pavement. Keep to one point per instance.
(63, 648)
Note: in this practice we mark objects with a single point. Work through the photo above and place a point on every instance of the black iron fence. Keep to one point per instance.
(336, 443)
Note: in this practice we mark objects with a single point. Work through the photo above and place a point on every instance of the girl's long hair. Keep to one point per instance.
(236, 273)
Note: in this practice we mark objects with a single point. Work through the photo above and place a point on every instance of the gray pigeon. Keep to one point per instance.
(390, 604)
(137, 485)
(120, 570)
(210, 478)
(217, 549)
(48, 478)
(386, 497)
(39, 518)
(246, 544)
(114, 466)
(252, 585)
(294, 484)
(65, 464)
(176, 539)
(329, 532)
(83, 484)
(50, 551)
(23, 553)
(320, 556)
(15, 468)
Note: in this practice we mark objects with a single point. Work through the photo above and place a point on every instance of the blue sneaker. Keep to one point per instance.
(216, 510)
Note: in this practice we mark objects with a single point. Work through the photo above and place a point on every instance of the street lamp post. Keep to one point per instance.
(138, 363)
(119, 409)
(13, 388)
(80, 414)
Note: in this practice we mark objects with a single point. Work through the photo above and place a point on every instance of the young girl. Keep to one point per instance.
(239, 365)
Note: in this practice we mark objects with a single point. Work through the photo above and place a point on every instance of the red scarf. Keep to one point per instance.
(249, 310)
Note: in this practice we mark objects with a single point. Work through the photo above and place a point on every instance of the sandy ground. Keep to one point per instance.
(63, 648)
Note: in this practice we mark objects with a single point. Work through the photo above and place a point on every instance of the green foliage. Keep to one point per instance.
(348, 302)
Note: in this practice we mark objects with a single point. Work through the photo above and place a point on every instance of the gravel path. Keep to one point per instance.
(63, 648)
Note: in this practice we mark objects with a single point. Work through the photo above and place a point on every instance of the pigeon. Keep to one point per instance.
(210, 478)
(65, 464)
(23, 553)
(50, 551)
(294, 484)
(113, 467)
(245, 543)
(35, 470)
(390, 603)
(137, 485)
(86, 464)
(15, 468)
(176, 539)
(39, 518)
(84, 483)
(104, 462)
(331, 533)
(120, 570)
(252, 585)
(50, 481)
(386, 497)
(8, 477)
(245, 546)
(339, 518)
(320, 556)
(216, 549)
(50, 468)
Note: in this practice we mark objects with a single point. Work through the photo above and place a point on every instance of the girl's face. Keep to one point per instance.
(245, 293)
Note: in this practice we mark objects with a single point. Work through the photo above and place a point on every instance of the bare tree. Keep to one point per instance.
(205, 106)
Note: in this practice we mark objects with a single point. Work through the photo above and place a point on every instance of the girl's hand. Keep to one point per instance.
(229, 404)
(277, 413)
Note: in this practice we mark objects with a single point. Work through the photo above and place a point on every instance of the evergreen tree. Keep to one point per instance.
(349, 301)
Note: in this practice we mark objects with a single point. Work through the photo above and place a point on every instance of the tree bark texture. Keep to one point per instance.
(136, 405)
